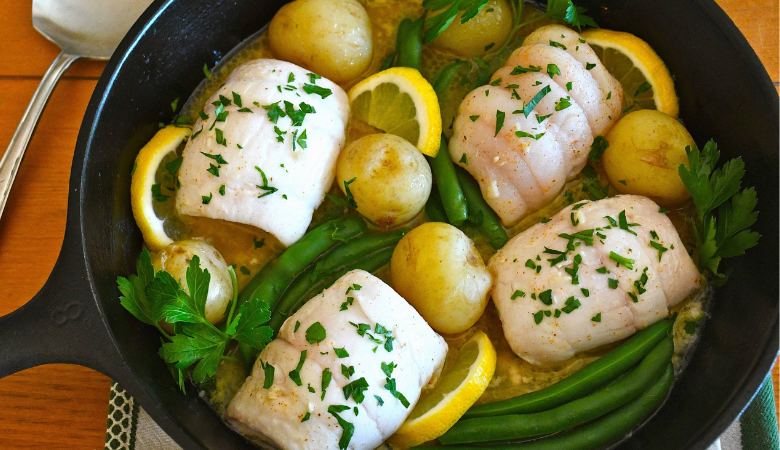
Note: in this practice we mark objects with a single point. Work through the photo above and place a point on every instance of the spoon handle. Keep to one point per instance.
(12, 158)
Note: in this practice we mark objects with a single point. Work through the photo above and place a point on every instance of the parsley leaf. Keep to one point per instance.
(449, 10)
(719, 189)
(315, 333)
(248, 330)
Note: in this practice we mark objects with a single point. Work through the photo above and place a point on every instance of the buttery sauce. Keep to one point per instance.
(249, 248)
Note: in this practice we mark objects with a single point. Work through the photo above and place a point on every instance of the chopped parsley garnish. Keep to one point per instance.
(598, 148)
(623, 223)
(379, 400)
(529, 107)
(222, 189)
(157, 193)
(568, 86)
(557, 44)
(341, 352)
(530, 264)
(347, 371)
(613, 283)
(218, 157)
(315, 333)
(570, 305)
(585, 292)
(518, 294)
(643, 88)
(306, 417)
(390, 386)
(220, 138)
(356, 390)
(464, 159)
(545, 220)
(627, 262)
(562, 103)
(207, 200)
(496, 82)
(500, 115)
(295, 374)
(572, 271)
(521, 70)
(237, 99)
(596, 318)
(658, 246)
(279, 134)
(602, 270)
(474, 118)
(346, 304)
(244, 270)
(348, 429)
(522, 134)
(538, 317)
(540, 119)
(258, 244)
(268, 189)
(589, 66)
(274, 112)
(552, 69)
(317, 90)
(387, 368)
(546, 297)
(214, 170)
(268, 374)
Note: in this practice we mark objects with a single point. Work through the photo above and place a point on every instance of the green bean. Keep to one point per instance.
(445, 77)
(408, 44)
(357, 248)
(583, 381)
(433, 208)
(271, 281)
(480, 214)
(311, 285)
(451, 193)
(569, 415)
(601, 432)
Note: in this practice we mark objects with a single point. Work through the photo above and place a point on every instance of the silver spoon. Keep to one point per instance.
(81, 28)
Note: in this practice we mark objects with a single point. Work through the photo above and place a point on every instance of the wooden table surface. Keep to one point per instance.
(64, 406)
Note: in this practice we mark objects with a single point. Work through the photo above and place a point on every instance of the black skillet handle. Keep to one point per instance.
(61, 324)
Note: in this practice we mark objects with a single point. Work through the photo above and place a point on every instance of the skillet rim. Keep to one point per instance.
(76, 217)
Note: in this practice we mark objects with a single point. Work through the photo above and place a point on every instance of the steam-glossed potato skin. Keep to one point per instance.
(646, 149)
(329, 37)
(175, 259)
(480, 35)
(392, 179)
(438, 270)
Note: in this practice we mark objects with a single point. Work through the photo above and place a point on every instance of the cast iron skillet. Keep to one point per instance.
(724, 93)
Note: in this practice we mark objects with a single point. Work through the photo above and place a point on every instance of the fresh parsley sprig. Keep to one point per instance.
(155, 297)
(718, 190)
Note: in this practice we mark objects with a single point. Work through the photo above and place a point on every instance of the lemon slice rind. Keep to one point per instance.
(437, 420)
(411, 82)
(645, 59)
(165, 142)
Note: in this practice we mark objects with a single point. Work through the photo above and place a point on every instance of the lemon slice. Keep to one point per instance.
(458, 388)
(400, 101)
(153, 186)
(647, 83)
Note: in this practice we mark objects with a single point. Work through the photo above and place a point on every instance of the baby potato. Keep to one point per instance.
(439, 271)
(175, 259)
(492, 25)
(389, 179)
(329, 37)
(646, 148)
